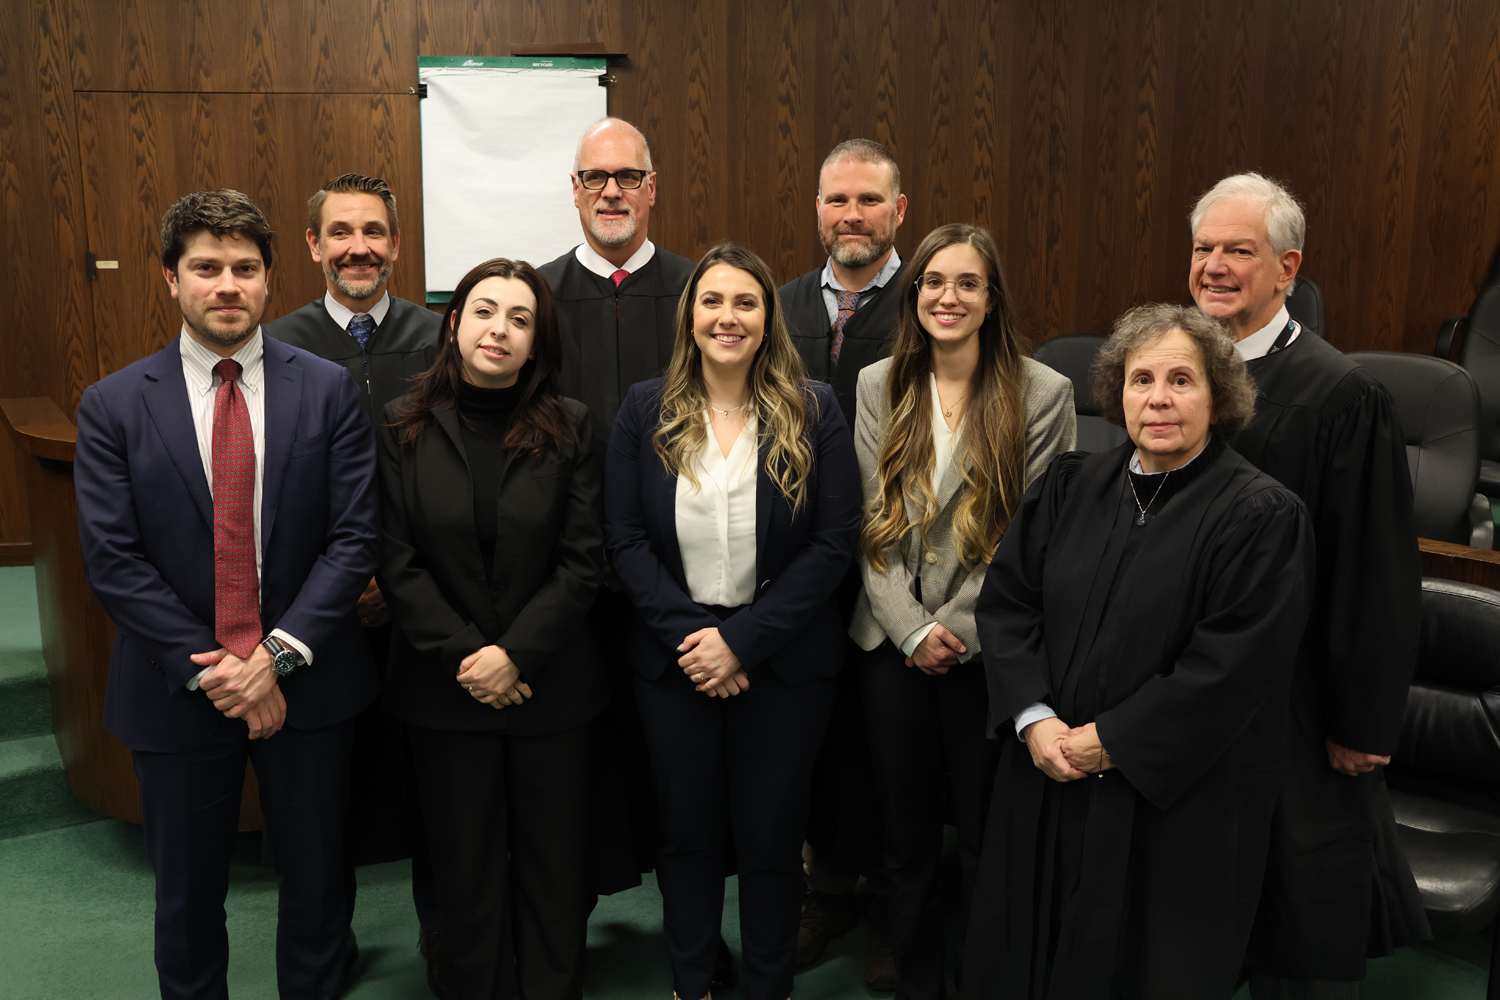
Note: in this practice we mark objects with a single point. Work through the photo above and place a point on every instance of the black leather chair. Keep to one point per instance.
(1479, 353)
(1439, 412)
(1444, 778)
(1305, 303)
(1073, 355)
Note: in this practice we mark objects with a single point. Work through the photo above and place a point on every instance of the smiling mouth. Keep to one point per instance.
(1219, 289)
(729, 338)
(947, 317)
(495, 352)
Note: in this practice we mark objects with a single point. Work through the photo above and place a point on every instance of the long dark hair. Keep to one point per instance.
(540, 420)
(994, 439)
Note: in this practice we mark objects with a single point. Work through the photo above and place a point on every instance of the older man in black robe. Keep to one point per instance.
(1337, 885)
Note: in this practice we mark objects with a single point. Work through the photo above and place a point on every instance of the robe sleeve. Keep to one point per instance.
(1008, 613)
(1238, 658)
(1365, 626)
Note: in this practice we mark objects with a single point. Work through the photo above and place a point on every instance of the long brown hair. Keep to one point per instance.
(993, 457)
(540, 420)
(784, 406)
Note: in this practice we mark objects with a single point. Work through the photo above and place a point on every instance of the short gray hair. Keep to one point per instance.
(1286, 225)
(1229, 383)
(863, 151)
(578, 150)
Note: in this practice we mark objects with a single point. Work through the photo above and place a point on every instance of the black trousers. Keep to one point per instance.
(748, 758)
(191, 807)
(507, 825)
(927, 738)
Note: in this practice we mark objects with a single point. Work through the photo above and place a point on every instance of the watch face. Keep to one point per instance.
(284, 663)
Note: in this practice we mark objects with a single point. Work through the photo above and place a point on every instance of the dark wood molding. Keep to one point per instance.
(596, 49)
(39, 427)
(15, 554)
(1448, 561)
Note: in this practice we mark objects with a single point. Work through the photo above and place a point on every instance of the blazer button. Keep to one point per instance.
(932, 558)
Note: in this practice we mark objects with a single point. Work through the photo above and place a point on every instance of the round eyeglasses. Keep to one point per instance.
(968, 289)
(628, 180)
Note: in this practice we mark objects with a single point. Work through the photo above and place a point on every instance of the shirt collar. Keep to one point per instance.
(589, 258)
(198, 362)
(342, 315)
(1258, 344)
(892, 265)
(1135, 460)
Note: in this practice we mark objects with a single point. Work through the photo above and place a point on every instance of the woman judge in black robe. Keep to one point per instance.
(1140, 622)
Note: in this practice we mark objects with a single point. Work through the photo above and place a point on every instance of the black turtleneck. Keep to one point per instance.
(484, 416)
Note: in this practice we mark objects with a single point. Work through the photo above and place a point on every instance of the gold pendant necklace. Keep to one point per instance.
(727, 412)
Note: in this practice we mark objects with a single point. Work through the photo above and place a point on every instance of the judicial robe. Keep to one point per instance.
(615, 337)
(1337, 883)
(402, 347)
(1177, 638)
(868, 334)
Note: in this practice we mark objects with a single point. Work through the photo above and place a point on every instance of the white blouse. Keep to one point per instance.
(716, 521)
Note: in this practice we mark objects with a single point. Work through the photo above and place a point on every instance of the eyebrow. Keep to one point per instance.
(966, 274)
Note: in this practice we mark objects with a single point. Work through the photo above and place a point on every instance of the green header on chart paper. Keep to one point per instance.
(513, 62)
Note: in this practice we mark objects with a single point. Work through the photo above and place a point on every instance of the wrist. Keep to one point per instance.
(284, 659)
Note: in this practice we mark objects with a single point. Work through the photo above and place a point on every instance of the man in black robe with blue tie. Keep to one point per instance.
(1337, 886)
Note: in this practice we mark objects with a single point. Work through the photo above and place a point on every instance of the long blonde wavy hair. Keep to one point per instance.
(784, 407)
(993, 456)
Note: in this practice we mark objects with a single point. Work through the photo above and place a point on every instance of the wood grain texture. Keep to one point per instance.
(1448, 561)
(142, 151)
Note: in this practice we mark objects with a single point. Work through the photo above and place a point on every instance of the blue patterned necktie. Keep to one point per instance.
(361, 327)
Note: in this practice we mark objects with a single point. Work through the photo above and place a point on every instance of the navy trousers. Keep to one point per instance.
(191, 805)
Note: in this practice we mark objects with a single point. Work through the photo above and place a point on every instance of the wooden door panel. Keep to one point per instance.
(141, 152)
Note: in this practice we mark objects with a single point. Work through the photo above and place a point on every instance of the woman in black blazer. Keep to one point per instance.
(731, 514)
(490, 511)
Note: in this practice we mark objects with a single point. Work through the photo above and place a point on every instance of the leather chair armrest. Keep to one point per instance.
(1481, 523)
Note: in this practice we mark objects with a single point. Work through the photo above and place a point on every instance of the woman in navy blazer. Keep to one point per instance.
(732, 510)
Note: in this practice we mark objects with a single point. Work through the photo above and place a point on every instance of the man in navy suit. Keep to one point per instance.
(228, 524)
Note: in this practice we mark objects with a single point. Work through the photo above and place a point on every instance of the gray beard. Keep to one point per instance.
(360, 291)
(623, 233)
(847, 256)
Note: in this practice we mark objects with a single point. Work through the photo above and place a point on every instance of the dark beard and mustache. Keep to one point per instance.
(860, 255)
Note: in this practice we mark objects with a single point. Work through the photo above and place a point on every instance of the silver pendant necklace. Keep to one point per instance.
(727, 412)
(1131, 479)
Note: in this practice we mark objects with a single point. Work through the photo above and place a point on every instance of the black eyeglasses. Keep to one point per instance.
(628, 180)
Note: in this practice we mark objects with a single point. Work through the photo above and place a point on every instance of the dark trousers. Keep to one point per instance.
(748, 758)
(507, 825)
(927, 738)
(191, 806)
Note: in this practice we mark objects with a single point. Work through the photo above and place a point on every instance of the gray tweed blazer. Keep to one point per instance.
(888, 606)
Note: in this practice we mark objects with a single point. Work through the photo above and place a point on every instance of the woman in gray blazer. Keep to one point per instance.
(951, 429)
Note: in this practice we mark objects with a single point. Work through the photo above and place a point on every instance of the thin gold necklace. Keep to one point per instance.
(949, 411)
(727, 412)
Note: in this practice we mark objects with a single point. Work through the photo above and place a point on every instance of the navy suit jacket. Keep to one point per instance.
(793, 625)
(145, 519)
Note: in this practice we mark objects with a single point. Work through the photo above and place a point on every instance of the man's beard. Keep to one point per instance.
(225, 338)
(858, 255)
(613, 234)
(360, 290)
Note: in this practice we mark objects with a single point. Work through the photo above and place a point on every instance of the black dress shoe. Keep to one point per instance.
(431, 947)
(725, 978)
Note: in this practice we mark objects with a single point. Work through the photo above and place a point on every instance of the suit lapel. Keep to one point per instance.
(283, 402)
(765, 495)
(165, 395)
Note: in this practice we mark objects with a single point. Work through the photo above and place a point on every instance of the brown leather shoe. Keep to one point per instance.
(880, 963)
(825, 918)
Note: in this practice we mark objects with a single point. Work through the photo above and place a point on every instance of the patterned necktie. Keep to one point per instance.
(236, 584)
(848, 302)
(361, 327)
(619, 276)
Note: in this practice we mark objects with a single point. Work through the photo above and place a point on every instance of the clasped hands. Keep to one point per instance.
(244, 689)
(1063, 753)
(937, 653)
(711, 665)
(492, 677)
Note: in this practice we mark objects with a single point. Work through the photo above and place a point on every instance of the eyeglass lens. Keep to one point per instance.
(594, 180)
(968, 289)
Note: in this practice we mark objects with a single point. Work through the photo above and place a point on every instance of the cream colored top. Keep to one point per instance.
(716, 521)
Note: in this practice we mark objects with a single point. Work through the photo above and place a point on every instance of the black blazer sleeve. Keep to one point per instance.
(788, 600)
(659, 595)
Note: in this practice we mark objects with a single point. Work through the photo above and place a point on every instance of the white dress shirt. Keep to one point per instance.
(202, 388)
(1039, 710)
(944, 442)
(1259, 343)
(589, 258)
(341, 315)
(716, 521)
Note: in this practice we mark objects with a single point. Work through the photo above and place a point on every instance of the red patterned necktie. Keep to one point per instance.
(236, 584)
(619, 276)
(848, 302)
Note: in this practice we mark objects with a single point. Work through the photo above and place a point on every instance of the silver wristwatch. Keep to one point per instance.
(284, 659)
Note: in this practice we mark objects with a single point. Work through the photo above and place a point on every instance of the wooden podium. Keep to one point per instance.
(76, 633)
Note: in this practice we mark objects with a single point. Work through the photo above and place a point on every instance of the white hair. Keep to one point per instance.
(578, 150)
(1286, 225)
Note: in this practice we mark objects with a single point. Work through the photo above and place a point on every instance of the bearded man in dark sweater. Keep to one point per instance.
(1337, 886)
(354, 235)
(842, 317)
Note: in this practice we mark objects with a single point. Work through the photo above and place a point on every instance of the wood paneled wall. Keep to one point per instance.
(1079, 130)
